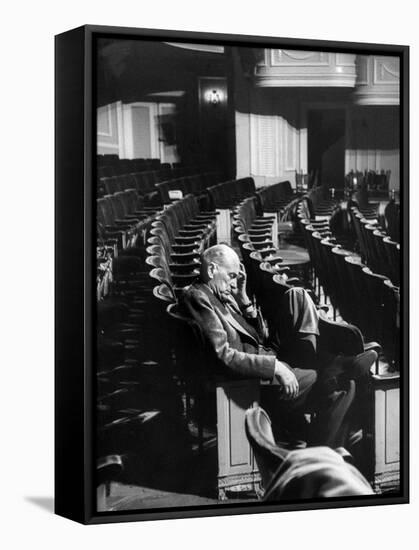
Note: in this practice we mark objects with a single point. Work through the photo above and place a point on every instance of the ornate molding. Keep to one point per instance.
(296, 68)
(386, 70)
(378, 80)
(237, 483)
(294, 58)
(388, 481)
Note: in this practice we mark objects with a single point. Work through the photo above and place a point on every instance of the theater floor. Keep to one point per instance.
(193, 484)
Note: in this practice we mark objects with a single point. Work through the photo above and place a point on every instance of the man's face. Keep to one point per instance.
(224, 277)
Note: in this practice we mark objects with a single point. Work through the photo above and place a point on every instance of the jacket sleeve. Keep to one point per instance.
(197, 306)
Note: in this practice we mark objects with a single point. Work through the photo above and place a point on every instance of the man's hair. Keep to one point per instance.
(217, 254)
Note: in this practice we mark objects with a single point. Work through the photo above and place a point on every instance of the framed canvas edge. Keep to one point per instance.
(82, 441)
(70, 269)
(235, 39)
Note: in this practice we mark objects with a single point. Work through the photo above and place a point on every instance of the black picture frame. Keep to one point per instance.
(75, 209)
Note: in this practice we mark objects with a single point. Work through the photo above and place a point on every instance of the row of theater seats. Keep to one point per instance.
(268, 280)
(140, 409)
(144, 182)
(388, 213)
(195, 184)
(112, 165)
(273, 199)
(178, 237)
(124, 213)
(270, 199)
(123, 217)
(320, 201)
(174, 258)
(138, 391)
(247, 220)
(371, 180)
(368, 299)
(376, 247)
(126, 415)
(228, 194)
(193, 361)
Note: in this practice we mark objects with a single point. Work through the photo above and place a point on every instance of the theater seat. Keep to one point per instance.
(212, 390)
(313, 472)
(108, 468)
(259, 433)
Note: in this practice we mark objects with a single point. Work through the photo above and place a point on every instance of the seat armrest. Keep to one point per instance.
(195, 228)
(259, 232)
(125, 223)
(275, 261)
(181, 239)
(373, 346)
(264, 238)
(183, 268)
(281, 269)
(186, 248)
(190, 233)
(294, 281)
(264, 252)
(194, 224)
(264, 245)
(108, 468)
(184, 257)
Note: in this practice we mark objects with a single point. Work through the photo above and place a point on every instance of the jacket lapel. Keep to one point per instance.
(227, 314)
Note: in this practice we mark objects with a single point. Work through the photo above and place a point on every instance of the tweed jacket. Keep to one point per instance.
(236, 345)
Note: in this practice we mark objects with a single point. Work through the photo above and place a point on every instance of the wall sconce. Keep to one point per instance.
(214, 97)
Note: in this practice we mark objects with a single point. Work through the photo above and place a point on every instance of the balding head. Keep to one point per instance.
(221, 254)
(220, 266)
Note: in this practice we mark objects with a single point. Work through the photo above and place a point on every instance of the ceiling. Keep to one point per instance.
(129, 70)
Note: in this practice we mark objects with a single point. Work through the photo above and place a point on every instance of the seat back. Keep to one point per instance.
(259, 434)
(193, 357)
(339, 338)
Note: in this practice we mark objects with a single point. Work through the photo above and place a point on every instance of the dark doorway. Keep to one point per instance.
(326, 146)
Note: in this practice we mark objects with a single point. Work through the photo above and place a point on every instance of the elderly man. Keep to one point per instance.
(218, 302)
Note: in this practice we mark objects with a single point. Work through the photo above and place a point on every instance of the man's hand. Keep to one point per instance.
(288, 380)
(242, 281)
(240, 293)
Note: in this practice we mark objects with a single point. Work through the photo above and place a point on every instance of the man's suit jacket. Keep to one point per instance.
(235, 343)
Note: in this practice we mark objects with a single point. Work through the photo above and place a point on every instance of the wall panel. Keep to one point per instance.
(108, 129)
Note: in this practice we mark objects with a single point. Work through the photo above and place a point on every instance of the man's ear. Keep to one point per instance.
(211, 269)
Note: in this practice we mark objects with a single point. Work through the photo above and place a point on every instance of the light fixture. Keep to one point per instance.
(214, 97)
